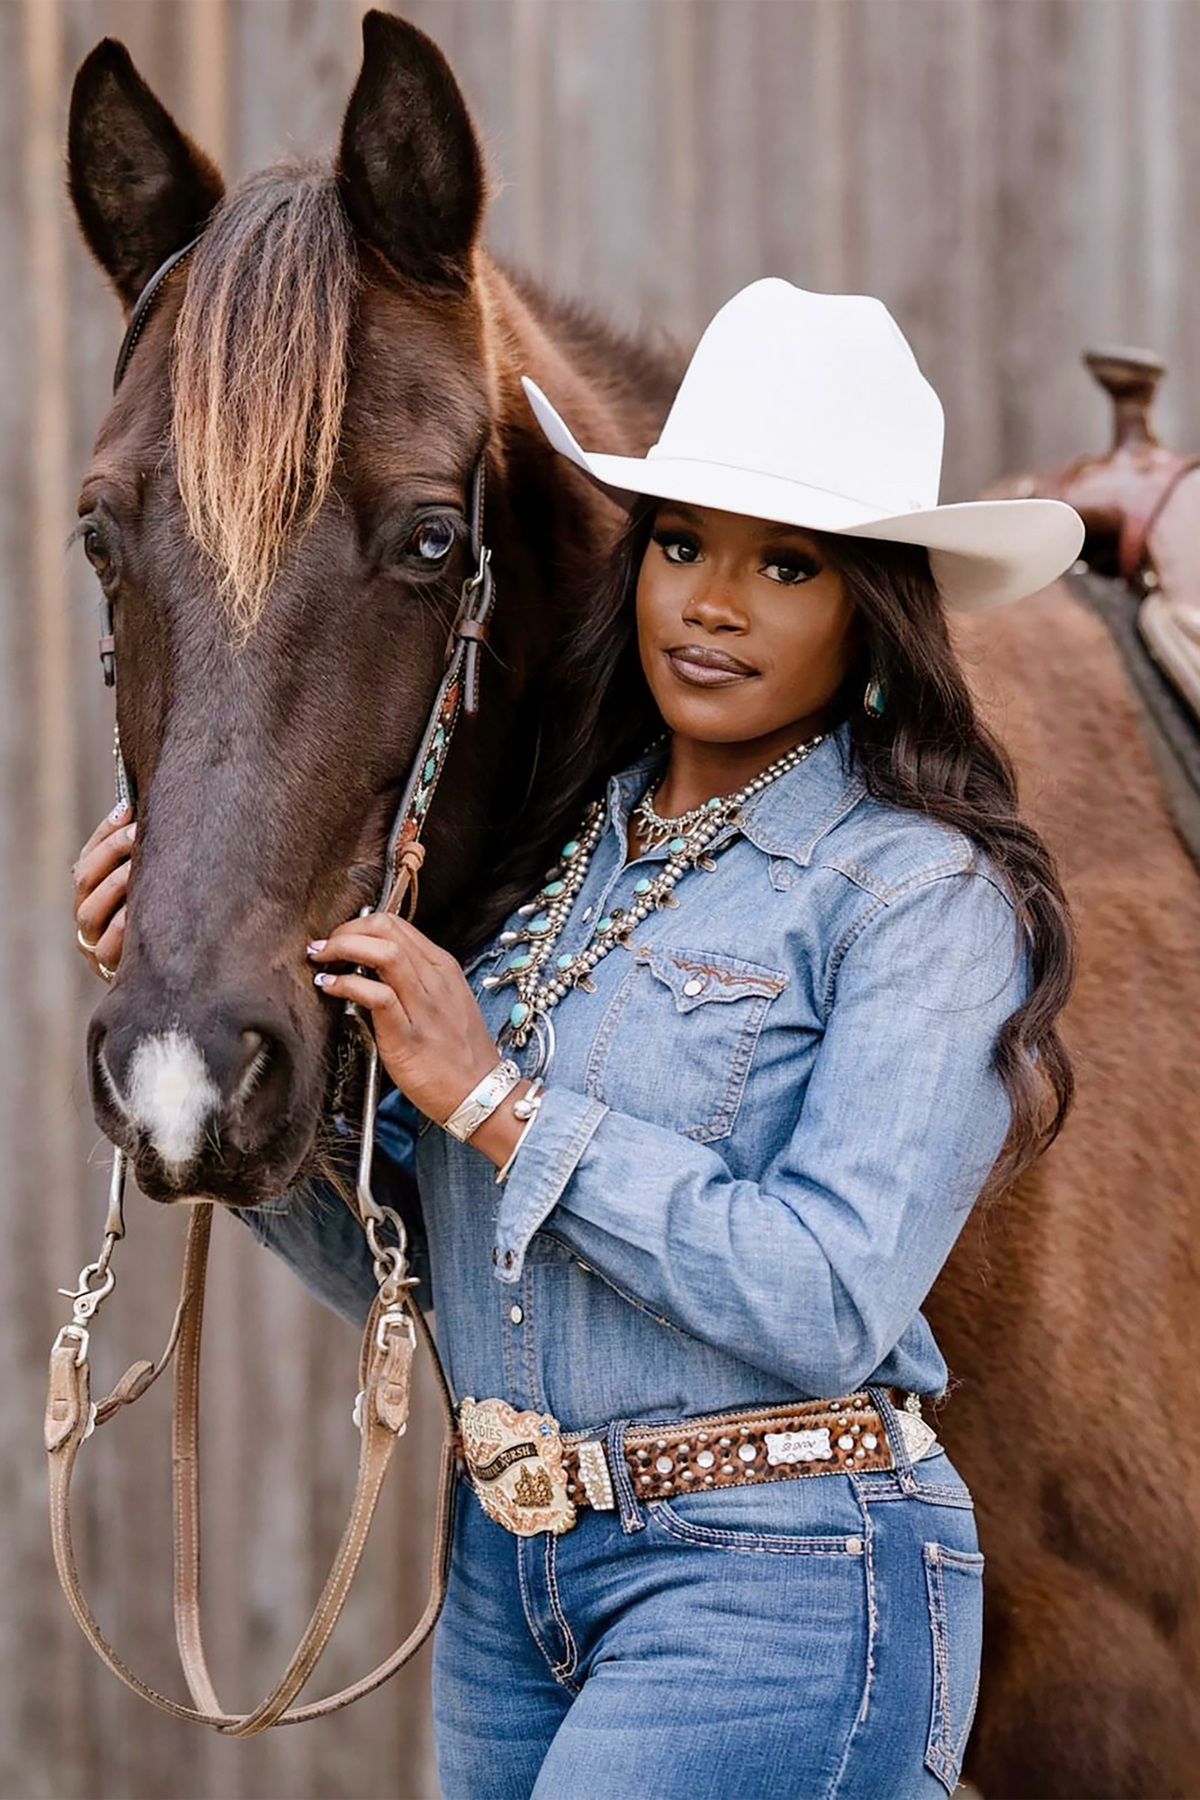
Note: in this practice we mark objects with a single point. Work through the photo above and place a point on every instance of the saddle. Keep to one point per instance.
(1140, 503)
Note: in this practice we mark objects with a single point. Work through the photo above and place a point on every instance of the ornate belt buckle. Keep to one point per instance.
(515, 1461)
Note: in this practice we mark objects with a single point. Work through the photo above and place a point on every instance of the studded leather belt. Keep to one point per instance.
(532, 1477)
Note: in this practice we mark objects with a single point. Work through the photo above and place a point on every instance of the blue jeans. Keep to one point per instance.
(815, 1637)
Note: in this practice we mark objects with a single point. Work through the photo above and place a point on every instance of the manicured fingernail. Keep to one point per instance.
(317, 945)
(324, 979)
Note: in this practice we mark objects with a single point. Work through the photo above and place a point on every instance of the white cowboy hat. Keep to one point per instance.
(810, 410)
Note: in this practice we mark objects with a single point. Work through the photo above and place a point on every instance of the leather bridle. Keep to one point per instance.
(394, 1321)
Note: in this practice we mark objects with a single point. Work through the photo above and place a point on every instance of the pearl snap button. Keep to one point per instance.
(693, 986)
(515, 1314)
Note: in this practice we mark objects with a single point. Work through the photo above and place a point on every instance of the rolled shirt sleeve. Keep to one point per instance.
(815, 1271)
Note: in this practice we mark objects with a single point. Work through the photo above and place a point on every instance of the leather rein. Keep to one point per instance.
(393, 1324)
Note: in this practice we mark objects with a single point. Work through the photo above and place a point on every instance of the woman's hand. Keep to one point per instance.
(101, 878)
(431, 1035)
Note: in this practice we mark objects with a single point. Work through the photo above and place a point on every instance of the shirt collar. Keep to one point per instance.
(788, 817)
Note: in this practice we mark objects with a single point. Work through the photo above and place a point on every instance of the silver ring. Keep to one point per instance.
(105, 970)
(83, 943)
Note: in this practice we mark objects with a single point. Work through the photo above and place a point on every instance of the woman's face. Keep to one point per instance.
(744, 630)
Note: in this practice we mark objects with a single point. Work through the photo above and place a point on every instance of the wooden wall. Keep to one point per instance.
(1016, 178)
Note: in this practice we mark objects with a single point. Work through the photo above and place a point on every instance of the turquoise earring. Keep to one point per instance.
(875, 698)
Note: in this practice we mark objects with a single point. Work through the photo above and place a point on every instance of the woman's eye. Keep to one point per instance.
(433, 540)
(791, 574)
(676, 547)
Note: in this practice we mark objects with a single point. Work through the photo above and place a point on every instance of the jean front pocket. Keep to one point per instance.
(954, 1582)
(677, 1041)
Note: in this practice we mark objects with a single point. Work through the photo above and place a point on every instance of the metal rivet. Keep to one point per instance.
(854, 1546)
(693, 986)
(515, 1314)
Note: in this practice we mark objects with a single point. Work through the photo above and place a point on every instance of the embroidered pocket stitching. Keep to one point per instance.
(942, 1754)
(763, 1543)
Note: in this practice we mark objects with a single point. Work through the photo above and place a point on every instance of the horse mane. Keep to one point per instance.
(259, 373)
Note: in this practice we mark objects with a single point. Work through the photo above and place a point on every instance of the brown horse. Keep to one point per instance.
(317, 383)
(307, 403)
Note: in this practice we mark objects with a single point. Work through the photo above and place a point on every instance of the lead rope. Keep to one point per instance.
(393, 1323)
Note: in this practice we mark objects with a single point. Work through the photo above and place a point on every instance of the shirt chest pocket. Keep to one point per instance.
(677, 1041)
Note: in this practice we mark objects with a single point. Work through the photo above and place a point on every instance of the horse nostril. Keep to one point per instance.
(256, 1054)
(260, 1091)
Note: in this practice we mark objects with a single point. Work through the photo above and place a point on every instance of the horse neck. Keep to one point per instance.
(549, 530)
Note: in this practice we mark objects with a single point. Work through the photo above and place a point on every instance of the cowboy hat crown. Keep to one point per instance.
(810, 410)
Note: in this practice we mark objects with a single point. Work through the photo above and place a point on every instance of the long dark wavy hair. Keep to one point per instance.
(929, 752)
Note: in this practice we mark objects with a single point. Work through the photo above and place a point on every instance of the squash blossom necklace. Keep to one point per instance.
(540, 977)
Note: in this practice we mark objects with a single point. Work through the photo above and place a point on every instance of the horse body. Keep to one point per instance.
(1068, 1312)
(267, 761)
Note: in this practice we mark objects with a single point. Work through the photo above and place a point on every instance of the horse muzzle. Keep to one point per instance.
(205, 1101)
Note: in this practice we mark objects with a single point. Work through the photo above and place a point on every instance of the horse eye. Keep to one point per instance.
(95, 548)
(433, 540)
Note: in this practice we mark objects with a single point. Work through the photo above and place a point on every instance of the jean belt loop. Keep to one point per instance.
(891, 1424)
(632, 1516)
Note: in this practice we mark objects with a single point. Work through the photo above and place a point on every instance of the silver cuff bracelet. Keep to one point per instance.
(482, 1101)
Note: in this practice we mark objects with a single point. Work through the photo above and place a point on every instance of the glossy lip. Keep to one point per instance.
(702, 667)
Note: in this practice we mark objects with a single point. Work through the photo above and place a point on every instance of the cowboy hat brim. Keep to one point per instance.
(982, 552)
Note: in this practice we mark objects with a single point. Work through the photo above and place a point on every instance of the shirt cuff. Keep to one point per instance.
(562, 1131)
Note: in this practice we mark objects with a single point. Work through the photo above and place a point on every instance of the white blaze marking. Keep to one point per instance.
(171, 1094)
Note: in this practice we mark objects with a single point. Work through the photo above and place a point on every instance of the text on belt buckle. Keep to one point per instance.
(515, 1460)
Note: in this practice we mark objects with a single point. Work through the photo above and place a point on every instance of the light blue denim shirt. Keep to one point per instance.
(760, 1137)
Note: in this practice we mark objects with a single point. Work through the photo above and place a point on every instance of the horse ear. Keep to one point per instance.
(410, 167)
(141, 188)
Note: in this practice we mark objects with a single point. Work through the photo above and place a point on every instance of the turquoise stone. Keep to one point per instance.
(521, 960)
(605, 924)
(439, 739)
(518, 1013)
(564, 961)
(539, 925)
(642, 885)
(421, 801)
(570, 847)
(430, 769)
(675, 846)
(712, 804)
(553, 889)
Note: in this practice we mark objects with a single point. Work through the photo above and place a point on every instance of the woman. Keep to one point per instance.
(716, 1104)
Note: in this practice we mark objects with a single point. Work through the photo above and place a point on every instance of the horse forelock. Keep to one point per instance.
(259, 374)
